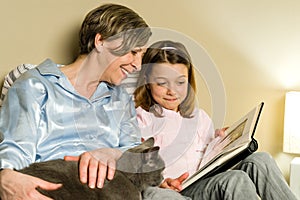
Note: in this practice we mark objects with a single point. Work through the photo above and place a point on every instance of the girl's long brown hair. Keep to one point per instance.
(165, 52)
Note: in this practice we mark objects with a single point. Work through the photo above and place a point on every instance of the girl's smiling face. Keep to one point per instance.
(169, 84)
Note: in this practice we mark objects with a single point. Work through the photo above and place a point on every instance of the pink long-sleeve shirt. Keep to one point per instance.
(182, 141)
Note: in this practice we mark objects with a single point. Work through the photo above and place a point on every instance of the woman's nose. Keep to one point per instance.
(137, 60)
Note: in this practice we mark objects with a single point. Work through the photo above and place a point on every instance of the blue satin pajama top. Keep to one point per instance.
(44, 118)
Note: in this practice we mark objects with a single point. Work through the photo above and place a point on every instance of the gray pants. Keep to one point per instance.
(258, 174)
(156, 193)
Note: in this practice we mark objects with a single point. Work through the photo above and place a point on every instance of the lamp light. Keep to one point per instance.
(291, 139)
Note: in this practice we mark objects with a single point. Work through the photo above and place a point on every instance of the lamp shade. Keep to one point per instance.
(291, 140)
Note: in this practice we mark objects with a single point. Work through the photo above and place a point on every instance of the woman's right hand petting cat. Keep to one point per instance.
(137, 169)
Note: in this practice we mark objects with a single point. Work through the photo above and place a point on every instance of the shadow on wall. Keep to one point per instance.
(67, 52)
(67, 47)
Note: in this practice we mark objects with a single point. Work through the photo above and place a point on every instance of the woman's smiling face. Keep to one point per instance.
(118, 67)
(169, 84)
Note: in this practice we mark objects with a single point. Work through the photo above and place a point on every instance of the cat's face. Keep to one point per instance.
(143, 162)
(152, 167)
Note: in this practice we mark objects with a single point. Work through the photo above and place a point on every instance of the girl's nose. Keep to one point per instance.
(171, 90)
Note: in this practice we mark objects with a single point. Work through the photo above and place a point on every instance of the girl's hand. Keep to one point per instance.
(15, 185)
(220, 132)
(95, 166)
(174, 184)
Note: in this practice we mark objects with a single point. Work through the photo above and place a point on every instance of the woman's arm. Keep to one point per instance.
(20, 115)
(130, 134)
(15, 185)
(99, 164)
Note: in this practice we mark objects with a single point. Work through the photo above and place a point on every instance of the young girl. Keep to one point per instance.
(165, 105)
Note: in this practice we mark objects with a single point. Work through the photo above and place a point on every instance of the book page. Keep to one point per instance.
(221, 145)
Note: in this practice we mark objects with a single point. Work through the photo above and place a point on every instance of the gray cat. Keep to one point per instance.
(137, 169)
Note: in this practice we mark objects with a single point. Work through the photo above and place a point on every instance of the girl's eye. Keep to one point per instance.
(181, 82)
(161, 83)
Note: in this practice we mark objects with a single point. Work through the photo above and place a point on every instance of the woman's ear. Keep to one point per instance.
(146, 82)
(98, 42)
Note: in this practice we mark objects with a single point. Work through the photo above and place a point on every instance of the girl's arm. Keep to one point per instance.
(175, 184)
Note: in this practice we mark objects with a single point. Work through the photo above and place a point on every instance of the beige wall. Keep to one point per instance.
(253, 43)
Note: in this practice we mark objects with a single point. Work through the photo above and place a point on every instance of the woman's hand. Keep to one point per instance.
(15, 185)
(95, 166)
(174, 184)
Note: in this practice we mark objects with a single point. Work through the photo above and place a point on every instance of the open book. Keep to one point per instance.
(224, 152)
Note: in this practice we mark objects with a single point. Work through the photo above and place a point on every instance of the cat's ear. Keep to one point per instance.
(142, 147)
(154, 149)
(149, 142)
(151, 152)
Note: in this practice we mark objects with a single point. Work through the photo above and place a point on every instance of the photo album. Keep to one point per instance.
(224, 152)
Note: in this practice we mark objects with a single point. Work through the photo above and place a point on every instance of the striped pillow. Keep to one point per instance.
(10, 78)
